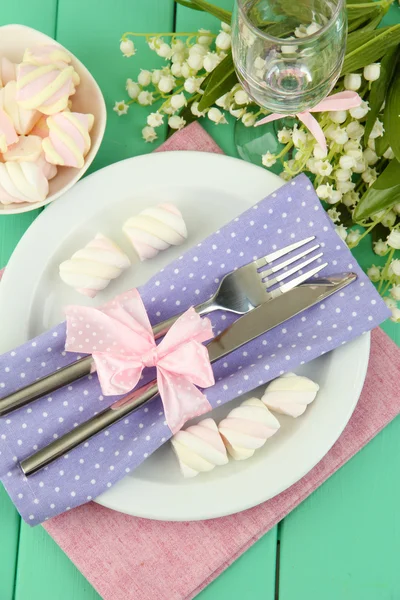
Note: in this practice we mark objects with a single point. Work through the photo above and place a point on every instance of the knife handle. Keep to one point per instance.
(88, 429)
(46, 385)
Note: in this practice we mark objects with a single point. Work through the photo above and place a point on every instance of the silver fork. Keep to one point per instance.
(247, 287)
(239, 292)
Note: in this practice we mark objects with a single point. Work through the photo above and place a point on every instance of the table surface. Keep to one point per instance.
(341, 543)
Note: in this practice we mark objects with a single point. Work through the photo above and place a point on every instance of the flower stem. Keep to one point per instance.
(385, 269)
(172, 34)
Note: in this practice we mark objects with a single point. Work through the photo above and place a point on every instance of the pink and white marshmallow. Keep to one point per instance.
(69, 141)
(22, 182)
(199, 448)
(8, 135)
(8, 71)
(247, 428)
(290, 394)
(23, 119)
(48, 170)
(45, 88)
(41, 128)
(27, 148)
(47, 54)
(91, 269)
(155, 229)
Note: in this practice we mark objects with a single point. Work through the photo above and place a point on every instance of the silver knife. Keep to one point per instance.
(243, 330)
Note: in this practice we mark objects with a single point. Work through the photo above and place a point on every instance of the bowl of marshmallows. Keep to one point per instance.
(52, 119)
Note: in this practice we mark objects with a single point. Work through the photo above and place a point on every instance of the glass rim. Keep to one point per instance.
(296, 41)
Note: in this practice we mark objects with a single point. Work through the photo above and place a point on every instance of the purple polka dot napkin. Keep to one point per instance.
(290, 214)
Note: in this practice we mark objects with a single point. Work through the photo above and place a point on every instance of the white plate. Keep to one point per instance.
(210, 190)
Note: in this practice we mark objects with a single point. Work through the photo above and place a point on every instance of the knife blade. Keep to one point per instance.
(245, 329)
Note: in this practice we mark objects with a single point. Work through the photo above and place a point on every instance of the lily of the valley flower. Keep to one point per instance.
(393, 239)
(127, 48)
(121, 108)
(215, 115)
(149, 134)
(268, 159)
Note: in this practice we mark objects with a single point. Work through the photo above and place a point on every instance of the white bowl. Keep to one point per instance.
(14, 39)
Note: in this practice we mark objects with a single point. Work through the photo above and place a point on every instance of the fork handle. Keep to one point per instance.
(161, 329)
(76, 370)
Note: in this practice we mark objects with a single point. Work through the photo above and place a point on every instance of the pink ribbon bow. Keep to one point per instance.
(340, 101)
(120, 338)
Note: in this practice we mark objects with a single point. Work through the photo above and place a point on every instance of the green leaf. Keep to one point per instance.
(379, 89)
(354, 11)
(186, 112)
(219, 82)
(381, 144)
(358, 38)
(384, 193)
(281, 30)
(374, 23)
(366, 47)
(223, 15)
(189, 4)
(362, 21)
(391, 115)
(367, 22)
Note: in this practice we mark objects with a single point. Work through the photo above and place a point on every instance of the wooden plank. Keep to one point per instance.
(344, 541)
(44, 571)
(94, 38)
(40, 14)
(192, 20)
(253, 574)
(9, 533)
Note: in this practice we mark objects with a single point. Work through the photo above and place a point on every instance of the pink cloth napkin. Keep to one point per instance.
(127, 558)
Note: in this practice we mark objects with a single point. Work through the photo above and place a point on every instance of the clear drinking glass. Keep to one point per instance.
(288, 54)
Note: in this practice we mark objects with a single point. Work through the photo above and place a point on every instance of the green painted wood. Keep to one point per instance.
(40, 14)
(96, 42)
(45, 572)
(191, 20)
(251, 576)
(359, 504)
(343, 543)
(9, 534)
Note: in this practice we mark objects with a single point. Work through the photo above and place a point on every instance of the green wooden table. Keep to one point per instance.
(343, 543)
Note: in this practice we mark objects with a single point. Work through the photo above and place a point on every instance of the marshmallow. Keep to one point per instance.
(8, 71)
(69, 140)
(23, 120)
(247, 428)
(46, 55)
(8, 135)
(46, 87)
(28, 148)
(41, 128)
(22, 182)
(155, 229)
(48, 170)
(199, 448)
(91, 269)
(290, 394)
